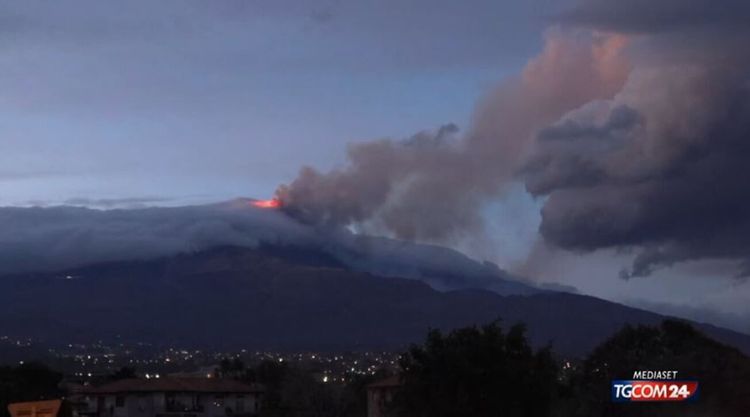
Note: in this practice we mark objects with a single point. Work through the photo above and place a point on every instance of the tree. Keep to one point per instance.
(294, 392)
(476, 372)
(723, 372)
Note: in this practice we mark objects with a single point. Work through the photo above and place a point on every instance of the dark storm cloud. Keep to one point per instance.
(661, 168)
(658, 15)
(568, 151)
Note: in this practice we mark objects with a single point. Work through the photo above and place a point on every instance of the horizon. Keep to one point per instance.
(176, 104)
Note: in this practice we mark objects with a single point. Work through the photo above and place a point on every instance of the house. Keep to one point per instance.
(380, 394)
(170, 397)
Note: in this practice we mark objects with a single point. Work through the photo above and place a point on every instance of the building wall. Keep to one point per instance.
(171, 405)
(219, 405)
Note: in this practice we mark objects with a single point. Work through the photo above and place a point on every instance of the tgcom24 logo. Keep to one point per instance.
(654, 386)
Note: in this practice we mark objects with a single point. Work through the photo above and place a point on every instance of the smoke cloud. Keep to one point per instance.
(633, 125)
(660, 167)
(431, 186)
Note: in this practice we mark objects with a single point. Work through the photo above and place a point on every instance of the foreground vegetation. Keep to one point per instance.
(485, 371)
(476, 372)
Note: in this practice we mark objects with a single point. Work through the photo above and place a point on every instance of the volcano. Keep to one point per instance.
(241, 276)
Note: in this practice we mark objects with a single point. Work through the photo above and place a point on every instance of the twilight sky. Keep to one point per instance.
(110, 104)
(203, 101)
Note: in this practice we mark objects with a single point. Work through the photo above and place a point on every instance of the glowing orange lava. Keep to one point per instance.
(267, 204)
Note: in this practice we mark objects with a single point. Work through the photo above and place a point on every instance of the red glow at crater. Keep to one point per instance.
(267, 204)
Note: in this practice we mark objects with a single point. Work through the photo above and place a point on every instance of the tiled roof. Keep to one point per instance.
(215, 385)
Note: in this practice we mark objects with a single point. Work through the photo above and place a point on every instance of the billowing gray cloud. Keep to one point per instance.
(636, 133)
(432, 186)
(661, 167)
(386, 182)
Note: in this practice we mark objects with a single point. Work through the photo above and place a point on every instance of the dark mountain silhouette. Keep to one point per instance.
(283, 298)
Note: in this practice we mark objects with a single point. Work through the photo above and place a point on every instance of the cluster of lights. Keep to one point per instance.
(100, 358)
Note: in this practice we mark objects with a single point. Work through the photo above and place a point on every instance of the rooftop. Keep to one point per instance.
(212, 385)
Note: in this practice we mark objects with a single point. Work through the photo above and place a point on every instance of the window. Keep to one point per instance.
(170, 400)
(120, 401)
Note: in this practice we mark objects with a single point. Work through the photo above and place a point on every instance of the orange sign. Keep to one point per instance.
(35, 408)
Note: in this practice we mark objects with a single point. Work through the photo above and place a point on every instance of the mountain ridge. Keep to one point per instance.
(250, 298)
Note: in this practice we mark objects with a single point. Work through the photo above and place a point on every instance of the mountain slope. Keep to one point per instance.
(56, 238)
(286, 299)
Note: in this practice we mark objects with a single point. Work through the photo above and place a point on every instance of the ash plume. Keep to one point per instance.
(431, 186)
(660, 167)
(633, 125)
